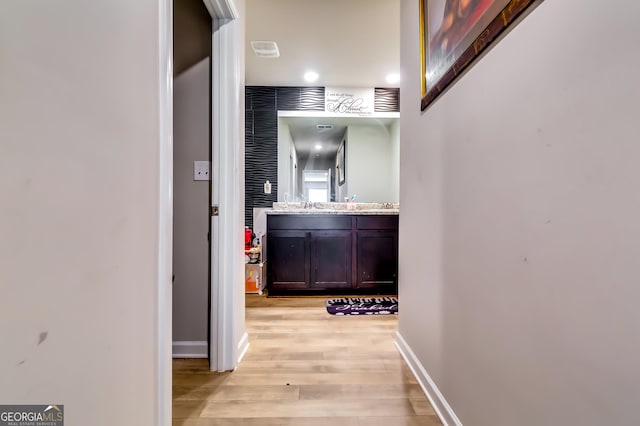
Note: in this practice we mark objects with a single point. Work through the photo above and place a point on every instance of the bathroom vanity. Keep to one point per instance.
(339, 250)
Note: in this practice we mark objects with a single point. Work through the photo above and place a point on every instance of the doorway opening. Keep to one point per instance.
(209, 308)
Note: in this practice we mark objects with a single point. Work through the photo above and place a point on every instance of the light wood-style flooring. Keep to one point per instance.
(305, 367)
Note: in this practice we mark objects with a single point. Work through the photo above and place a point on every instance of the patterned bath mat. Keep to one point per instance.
(363, 306)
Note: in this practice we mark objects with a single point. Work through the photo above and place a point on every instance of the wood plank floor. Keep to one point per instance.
(305, 367)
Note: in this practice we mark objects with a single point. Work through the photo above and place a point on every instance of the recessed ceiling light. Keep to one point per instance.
(318, 147)
(393, 78)
(311, 76)
(265, 49)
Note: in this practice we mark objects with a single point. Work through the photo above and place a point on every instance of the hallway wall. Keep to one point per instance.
(523, 181)
(85, 274)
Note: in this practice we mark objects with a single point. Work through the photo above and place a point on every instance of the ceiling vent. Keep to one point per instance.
(265, 49)
(324, 126)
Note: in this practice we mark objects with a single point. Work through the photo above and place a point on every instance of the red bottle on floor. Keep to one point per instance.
(247, 237)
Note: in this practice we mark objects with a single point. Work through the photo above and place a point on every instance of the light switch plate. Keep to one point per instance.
(201, 170)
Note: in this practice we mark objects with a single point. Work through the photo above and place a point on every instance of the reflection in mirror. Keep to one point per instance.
(323, 158)
(317, 185)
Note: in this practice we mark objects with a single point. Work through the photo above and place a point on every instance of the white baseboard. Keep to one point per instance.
(243, 346)
(190, 349)
(440, 405)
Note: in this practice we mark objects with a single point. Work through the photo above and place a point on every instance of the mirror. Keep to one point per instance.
(329, 158)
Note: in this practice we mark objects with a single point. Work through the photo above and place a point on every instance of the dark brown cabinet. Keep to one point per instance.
(377, 259)
(377, 255)
(288, 262)
(332, 254)
(330, 260)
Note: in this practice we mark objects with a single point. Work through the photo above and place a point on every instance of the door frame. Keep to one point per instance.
(165, 215)
(228, 340)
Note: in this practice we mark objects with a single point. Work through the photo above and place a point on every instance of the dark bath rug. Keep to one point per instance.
(363, 306)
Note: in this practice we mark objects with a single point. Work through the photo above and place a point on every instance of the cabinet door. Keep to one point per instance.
(330, 259)
(377, 260)
(288, 260)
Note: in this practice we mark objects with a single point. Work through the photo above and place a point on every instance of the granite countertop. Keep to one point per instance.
(335, 209)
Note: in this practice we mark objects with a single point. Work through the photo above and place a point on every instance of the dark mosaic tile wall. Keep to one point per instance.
(261, 137)
(262, 104)
(386, 100)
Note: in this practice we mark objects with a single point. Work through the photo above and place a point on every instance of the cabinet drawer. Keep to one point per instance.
(377, 222)
(308, 222)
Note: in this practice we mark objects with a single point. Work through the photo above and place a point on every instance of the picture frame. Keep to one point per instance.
(341, 165)
(455, 33)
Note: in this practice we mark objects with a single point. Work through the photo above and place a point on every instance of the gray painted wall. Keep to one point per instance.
(522, 303)
(80, 152)
(191, 204)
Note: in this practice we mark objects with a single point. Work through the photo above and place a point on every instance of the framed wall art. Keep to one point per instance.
(454, 33)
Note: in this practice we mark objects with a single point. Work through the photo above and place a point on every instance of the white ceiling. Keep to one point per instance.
(350, 43)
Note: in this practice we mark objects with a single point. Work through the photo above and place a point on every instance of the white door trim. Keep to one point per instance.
(227, 148)
(221, 9)
(165, 214)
